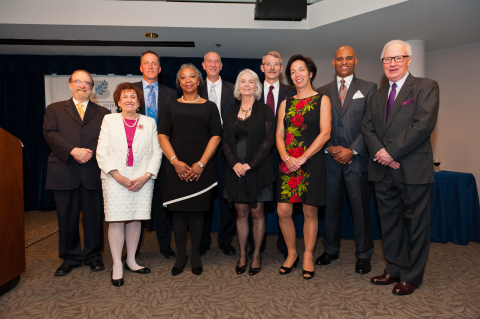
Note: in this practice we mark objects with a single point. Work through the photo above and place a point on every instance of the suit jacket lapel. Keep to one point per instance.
(91, 110)
(72, 110)
(382, 104)
(401, 97)
(333, 90)
(204, 93)
(160, 100)
(140, 128)
(350, 93)
(120, 126)
(224, 97)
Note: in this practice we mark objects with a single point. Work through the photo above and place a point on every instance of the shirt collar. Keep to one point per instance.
(84, 104)
(399, 82)
(348, 81)
(145, 84)
(218, 81)
(276, 85)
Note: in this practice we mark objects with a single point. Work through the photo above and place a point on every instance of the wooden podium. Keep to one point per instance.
(12, 233)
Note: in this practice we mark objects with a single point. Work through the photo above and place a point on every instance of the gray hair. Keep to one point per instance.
(408, 46)
(258, 91)
(275, 54)
(205, 56)
(194, 68)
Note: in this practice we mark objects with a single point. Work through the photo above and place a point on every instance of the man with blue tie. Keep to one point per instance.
(156, 96)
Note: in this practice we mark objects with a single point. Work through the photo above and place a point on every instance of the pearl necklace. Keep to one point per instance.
(130, 125)
(191, 101)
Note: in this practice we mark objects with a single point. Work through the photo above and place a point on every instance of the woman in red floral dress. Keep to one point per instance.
(304, 124)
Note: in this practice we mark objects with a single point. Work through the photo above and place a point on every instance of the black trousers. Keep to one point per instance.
(404, 211)
(68, 204)
(358, 189)
(228, 216)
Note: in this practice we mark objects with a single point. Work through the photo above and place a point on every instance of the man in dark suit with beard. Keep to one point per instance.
(156, 96)
(221, 93)
(273, 93)
(347, 162)
(71, 129)
(396, 129)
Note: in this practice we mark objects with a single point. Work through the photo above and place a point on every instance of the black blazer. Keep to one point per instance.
(261, 136)
(165, 94)
(406, 134)
(227, 99)
(64, 130)
(347, 122)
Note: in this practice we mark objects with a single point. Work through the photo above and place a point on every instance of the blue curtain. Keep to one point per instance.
(22, 97)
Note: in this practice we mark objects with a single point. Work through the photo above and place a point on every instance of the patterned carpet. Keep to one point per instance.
(451, 288)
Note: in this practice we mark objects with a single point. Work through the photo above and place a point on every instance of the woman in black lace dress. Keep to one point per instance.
(248, 136)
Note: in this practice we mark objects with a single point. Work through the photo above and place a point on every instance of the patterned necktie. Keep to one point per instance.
(80, 111)
(152, 103)
(212, 95)
(271, 100)
(342, 92)
(391, 100)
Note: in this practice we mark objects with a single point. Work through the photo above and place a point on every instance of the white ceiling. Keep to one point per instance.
(441, 23)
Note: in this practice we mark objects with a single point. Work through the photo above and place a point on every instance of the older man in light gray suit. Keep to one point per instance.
(347, 162)
(396, 129)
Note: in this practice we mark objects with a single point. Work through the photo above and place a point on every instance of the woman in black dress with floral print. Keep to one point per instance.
(303, 128)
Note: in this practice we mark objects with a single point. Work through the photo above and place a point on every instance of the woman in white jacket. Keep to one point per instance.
(129, 155)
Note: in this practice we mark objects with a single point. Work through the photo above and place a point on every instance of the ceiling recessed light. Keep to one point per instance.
(151, 35)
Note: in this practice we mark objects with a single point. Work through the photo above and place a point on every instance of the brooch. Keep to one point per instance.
(140, 127)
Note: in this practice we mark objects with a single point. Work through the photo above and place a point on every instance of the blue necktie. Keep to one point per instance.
(152, 110)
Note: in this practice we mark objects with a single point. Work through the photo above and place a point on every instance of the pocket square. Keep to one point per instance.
(408, 102)
(357, 95)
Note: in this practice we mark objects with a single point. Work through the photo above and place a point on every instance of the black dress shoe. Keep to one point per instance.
(309, 274)
(241, 269)
(325, 259)
(117, 282)
(203, 250)
(65, 269)
(167, 252)
(287, 270)
(197, 271)
(142, 271)
(97, 265)
(227, 249)
(254, 271)
(177, 271)
(363, 266)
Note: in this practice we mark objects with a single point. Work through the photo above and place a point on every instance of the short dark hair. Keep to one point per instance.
(195, 69)
(149, 52)
(71, 76)
(311, 67)
(127, 86)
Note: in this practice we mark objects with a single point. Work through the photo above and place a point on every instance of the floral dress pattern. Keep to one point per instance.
(302, 126)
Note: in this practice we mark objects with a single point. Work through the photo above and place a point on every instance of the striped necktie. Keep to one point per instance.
(152, 103)
(270, 99)
(80, 111)
(342, 92)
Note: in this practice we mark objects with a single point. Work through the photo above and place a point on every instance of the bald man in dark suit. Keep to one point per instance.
(71, 129)
(396, 129)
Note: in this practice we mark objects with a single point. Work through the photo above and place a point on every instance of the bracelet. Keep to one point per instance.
(149, 175)
(172, 158)
(287, 159)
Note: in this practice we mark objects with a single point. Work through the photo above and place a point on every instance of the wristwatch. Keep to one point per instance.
(149, 175)
(200, 164)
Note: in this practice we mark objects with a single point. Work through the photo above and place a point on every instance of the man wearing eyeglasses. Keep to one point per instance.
(347, 162)
(396, 129)
(273, 93)
(71, 129)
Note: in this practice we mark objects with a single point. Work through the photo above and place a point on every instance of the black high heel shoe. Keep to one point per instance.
(117, 282)
(142, 271)
(197, 270)
(306, 272)
(241, 269)
(254, 271)
(287, 270)
(177, 271)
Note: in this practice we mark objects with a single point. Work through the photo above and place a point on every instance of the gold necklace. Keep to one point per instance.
(246, 111)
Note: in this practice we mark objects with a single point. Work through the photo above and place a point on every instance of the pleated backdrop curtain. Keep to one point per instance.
(22, 101)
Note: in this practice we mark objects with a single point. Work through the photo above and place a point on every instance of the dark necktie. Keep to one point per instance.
(391, 100)
(342, 93)
(271, 100)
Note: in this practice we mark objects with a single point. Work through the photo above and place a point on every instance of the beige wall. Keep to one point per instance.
(456, 136)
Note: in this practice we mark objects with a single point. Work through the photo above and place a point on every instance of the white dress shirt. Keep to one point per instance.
(218, 92)
(348, 81)
(399, 85)
(275, 91)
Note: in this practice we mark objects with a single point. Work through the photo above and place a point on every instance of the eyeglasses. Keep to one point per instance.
(399, 58)
(275, 64)
(78, 82)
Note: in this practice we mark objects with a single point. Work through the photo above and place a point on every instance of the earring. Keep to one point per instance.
(138, 109)
(120, 109)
